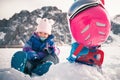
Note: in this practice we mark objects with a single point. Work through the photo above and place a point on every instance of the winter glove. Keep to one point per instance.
(71, 58)
(49, 50)
(32, 55)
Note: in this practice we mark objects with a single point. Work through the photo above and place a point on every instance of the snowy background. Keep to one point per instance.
(17, 23)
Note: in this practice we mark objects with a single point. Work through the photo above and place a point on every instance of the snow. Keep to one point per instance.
(12, 74)
(2, 35)
(116, 40)
(65, 70)
(74, 71)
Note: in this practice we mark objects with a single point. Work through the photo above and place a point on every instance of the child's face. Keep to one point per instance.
(42, 34)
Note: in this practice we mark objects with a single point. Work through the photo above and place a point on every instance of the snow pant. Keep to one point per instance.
(32, 64)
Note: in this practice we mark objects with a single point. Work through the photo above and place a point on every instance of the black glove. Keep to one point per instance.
(49, 50)
(46, 51)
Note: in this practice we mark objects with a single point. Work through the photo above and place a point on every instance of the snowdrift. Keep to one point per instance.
(61, 71)
(12, 74)
(74, 71)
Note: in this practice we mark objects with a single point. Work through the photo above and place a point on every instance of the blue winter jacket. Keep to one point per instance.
(35, 46)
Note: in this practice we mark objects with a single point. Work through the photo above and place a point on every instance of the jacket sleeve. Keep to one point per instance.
(53, 48)
(28, 46)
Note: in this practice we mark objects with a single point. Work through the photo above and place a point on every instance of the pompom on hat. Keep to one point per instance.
(44, 25)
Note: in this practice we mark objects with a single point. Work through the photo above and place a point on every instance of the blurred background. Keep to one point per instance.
(18, 21)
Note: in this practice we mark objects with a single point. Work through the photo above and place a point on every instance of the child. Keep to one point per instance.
(90, 30)
(40, 48)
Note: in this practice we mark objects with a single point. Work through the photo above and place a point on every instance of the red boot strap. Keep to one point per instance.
(78, 49)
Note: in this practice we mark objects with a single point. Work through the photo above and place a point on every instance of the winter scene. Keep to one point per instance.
(76, 55)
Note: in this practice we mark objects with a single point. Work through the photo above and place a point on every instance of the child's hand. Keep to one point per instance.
(46, 51)
(49, 50)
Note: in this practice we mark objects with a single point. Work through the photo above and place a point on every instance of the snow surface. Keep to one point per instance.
(65, 70)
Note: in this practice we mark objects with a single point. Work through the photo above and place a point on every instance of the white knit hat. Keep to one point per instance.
(44, 25)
